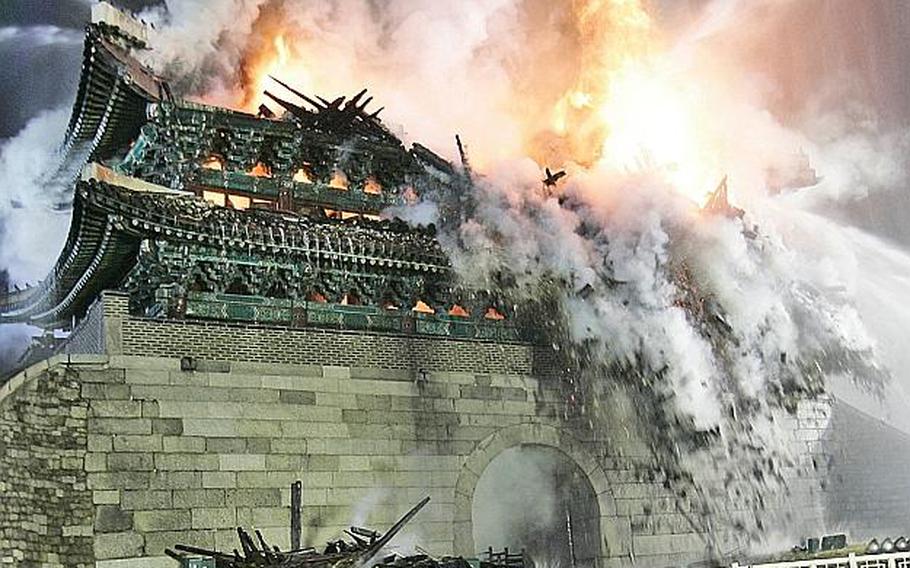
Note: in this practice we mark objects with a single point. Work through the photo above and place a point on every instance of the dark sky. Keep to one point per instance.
(39, 75)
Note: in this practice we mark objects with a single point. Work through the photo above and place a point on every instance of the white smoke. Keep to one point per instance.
(440, 68)
(32, 226)
(33, 229)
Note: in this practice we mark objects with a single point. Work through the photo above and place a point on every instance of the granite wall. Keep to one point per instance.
(156, 455)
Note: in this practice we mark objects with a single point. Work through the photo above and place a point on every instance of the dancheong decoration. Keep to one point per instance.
(205, 213)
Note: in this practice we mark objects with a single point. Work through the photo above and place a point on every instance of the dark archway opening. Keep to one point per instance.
(535, 498)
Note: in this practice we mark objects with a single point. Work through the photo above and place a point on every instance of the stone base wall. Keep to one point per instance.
(179, 456)
(173, 456)
(369, 423)
(45, 506)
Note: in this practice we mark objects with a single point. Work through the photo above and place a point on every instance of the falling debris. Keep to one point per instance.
(552, 178)
(718, 203)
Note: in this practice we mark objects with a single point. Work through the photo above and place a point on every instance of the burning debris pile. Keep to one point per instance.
(363, 550)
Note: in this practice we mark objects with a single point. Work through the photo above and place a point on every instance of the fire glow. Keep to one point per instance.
(626, 109)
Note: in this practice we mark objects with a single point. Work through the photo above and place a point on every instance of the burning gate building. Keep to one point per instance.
(242, 315)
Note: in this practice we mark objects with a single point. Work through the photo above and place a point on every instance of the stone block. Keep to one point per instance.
(116, 408)
(395, 388)
(236, 381)
(196, 409)
(95, 461)
(253, 497)
(258, 446)
(176, 480)
(285, 462)
(117, 545)
(111, 518)
(353, 479)
(317, 478)
(314, 430)
(106, 497)
(289, 446)
(165, 520)
(219, 479)
(186, 462)
(109, 376)
(146, 377)
(130, 462)
(189, 378)
(292, 412)
(167, 426)
(319, 462)
(297, 397)
(617, 536)
(225, 445)
(193, 498)
(313, 384)
(98, 391)
(118, 480)
(132, 443)
(100, 443)
(231, 428)
(146, 500)
(77, 530)
(354, 463)
(354, 416)
(253, 479)
(145, 363)
(372, 402)
(184, 444)
(215, 518)
(338, 400)
(139, 426)
(242, 462)
(333, 372)
(150, 409)
(381, 374)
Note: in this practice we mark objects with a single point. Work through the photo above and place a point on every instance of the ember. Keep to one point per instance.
(339, 180)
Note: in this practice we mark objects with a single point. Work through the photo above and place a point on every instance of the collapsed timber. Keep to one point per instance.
(362, 550)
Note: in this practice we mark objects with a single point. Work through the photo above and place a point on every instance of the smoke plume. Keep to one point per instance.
(32, 225)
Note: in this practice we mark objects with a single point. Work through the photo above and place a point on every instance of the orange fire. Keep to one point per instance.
(302, 176)
(339, 180)
(423, 308)
(272, 50)
(624, 106)
(372, 186)
(493, 314)
(260, 170)
(628, 110)
(213, 163)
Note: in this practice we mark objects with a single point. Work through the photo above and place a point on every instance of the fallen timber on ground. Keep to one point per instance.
(362, 550)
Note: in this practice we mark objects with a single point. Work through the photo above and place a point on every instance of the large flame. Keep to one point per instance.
(625, 107)
(272, 50)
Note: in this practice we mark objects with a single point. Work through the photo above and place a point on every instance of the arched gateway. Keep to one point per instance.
(530, 435)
